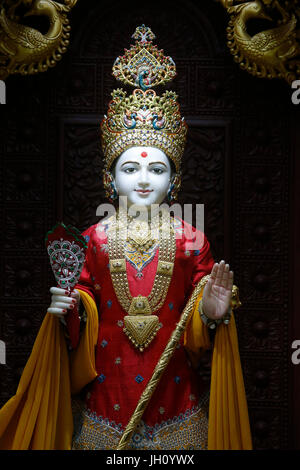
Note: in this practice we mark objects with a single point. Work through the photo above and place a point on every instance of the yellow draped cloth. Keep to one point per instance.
(39, 415)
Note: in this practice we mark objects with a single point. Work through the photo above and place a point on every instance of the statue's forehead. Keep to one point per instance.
(143, 153)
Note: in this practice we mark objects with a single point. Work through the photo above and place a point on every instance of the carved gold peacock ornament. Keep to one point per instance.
(24, 49)
(273, 52)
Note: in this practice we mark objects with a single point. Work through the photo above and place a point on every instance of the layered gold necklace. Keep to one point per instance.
(140, 325)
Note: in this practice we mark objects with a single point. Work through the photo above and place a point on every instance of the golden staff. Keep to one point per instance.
(161, 366)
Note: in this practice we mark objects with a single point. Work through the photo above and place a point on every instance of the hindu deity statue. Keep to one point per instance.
(99, 348)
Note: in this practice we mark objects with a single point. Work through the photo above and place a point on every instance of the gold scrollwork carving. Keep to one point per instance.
(272, 52)
(24, 49)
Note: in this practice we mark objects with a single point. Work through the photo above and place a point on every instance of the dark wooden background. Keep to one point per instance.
(241, 161)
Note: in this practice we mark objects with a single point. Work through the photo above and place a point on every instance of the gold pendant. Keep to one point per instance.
(140, 326)
(141, 329)
(140, 235)
(139, 305)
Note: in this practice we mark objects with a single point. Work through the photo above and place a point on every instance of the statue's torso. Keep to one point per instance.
(123, 370)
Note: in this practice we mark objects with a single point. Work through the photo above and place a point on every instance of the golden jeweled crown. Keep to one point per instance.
(143, 118)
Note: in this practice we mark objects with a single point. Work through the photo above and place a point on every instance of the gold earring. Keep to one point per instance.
(110, 186)
(174, 188)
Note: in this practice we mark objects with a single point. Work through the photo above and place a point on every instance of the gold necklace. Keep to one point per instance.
(141, 325)
(141, 236)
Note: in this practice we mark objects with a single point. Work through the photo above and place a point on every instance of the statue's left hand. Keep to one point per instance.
(217, 292)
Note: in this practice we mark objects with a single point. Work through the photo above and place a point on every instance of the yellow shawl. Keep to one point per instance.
(39, 415)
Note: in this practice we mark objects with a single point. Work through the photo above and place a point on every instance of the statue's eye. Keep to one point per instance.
(130, 170)
(157, 171)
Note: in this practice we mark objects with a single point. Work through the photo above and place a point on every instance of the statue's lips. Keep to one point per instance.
(144, 191)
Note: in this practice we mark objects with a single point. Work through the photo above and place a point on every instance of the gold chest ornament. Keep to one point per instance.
(140, 325)
(141, 245)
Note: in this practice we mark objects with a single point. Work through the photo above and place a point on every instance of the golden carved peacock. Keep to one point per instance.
(267, 53)
(24, 49)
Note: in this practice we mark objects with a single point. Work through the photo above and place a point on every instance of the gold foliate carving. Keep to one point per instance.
(25, 50)
(270, 53)
(235, 299)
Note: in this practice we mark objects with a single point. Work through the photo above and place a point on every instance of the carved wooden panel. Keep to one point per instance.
(237, 162)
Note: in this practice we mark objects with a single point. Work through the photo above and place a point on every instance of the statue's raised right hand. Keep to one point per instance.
(61, 302)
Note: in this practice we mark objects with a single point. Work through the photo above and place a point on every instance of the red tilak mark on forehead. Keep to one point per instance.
(144, 154)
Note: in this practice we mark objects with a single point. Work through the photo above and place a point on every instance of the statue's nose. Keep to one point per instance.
(143, 180)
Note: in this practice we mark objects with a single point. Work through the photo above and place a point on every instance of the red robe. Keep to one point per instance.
(180, 401)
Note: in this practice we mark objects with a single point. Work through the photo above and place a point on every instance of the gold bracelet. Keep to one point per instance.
(209, 322)
(206, 320)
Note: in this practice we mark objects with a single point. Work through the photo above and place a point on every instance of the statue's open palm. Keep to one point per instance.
(217, 292)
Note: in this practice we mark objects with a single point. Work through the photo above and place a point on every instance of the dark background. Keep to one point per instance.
(241, 161)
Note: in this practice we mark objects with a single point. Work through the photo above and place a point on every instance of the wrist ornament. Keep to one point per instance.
(209, 322)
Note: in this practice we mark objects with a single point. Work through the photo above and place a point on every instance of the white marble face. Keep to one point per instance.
(143, 174)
